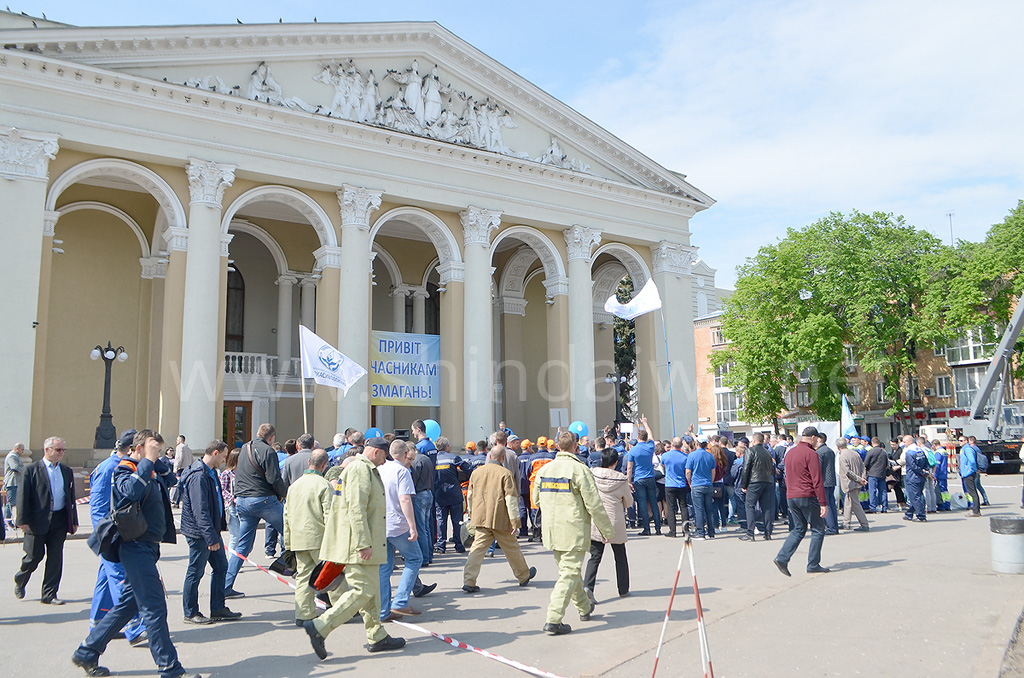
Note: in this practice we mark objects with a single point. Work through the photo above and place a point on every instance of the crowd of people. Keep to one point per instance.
(344, 514)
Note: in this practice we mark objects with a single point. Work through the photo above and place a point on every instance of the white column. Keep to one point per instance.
(673, 337)
(398, 311)
(285, 288)
(307, 301)
(357, 204)
(200, 363)
(477, 225)
(580, 242)
(419, 311)
(24, 168)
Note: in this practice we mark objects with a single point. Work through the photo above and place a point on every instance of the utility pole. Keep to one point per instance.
(950, 215)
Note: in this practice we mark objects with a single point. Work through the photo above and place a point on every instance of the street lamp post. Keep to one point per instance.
(614, 378)
(106, 434)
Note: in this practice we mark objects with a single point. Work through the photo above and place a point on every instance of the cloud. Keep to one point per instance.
(794, 109)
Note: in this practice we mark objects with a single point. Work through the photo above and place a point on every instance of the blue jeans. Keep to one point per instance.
(804, 511)
(443, 514)
(703, 508)
(107, 593)
(12, 500)
(646, 492)
(271, 537)
(422, 503)
(250, 511)
(878, 494)
(233, 528)
(198, 555)
(410, 550)
(143, 594)
(832, 517)
(721, 513)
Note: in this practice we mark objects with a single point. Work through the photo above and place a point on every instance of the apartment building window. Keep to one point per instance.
(880, 392)
(854, 396)
(720, 372)
(727, 406)
(943, 386)
(850, 359)
(717, 338)
(803, 395)
(940, 350)
(971, 346)
(965, 383)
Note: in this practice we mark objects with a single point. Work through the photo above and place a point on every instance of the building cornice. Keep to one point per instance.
(133, 46)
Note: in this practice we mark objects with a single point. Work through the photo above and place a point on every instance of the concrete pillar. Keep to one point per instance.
(580, 242)
(307, 301)
(604, 362)
(452, 291)
(419, 311)
(200, 364)
(675, 357)
(513, 367)
(285, 288)
(357, 204)
(554, 376)
(328, 305)
(156, 267)
(38, 435)
(398, 310)
(477, 225)
(169, 404)
(24, 167)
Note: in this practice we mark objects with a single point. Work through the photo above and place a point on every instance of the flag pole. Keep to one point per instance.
(302, 378)
(668, 361)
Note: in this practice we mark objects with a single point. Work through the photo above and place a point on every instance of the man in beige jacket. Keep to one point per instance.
(494, 509)
(354, 536)
(851, 478)
(305, 513)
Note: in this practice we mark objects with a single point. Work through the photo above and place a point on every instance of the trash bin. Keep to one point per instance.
(1007, 544)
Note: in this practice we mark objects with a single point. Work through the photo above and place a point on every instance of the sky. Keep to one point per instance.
(783, 111)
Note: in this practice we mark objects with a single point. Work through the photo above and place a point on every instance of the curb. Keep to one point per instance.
(1013, 658)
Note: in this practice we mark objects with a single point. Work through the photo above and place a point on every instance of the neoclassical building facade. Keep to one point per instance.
(194, 193)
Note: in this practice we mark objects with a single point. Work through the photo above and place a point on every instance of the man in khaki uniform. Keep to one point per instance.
(494, 509)
(305, 513)
(354, 536)
(567, 495)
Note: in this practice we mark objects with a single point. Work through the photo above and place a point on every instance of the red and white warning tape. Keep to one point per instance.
(419, 629)
(83, 500)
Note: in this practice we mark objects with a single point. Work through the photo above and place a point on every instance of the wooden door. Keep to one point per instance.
(237, 422)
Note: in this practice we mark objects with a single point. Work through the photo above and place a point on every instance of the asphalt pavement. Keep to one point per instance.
(904, 599)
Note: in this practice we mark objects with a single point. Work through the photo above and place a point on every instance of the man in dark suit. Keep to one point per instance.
(46, 513)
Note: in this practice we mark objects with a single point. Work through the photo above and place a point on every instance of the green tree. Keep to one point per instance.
(857, 280)
(625, 349)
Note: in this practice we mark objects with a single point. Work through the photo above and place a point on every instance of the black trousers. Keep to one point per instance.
(52, 545)
(621, 565)
(763, 493)
(676, 496)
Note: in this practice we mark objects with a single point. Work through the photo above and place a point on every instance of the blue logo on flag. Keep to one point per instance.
(330, 358)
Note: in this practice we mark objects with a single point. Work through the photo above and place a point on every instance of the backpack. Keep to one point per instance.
(981, 460)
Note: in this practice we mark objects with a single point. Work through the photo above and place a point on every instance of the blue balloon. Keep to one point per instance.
(373, 433)
(432, 429)
(579, 428)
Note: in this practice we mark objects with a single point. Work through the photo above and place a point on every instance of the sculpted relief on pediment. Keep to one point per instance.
(423, 104)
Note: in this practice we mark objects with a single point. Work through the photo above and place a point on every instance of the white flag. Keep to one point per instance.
(648, 300)
(325, 364)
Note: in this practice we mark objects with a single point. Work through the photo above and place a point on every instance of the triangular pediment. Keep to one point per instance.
(414, 78)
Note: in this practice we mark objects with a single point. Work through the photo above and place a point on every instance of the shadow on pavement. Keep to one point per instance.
(864, 564)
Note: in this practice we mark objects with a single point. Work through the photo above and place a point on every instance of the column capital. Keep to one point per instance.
(328, 256)
(225, 240)
(603, 317)
(674, 258)
(286, 279)
(207, 181)
(477, 225)
(451, 272)
(580, 242)
(26, 155)
(153, 267)
(176, 239)
(555, 287)
(400, 291)
(513, 305)
(419, 293)
(309, 279)
(357, 204)
(50, 223)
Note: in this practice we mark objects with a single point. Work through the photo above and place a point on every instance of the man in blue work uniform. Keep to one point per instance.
(425, 448)
(448, 497)
(110, 579)
(143, 479)
(916, 473)
(525, 466)
(942, 476)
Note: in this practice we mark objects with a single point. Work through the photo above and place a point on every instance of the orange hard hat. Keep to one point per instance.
(542, 441)
(471, 445)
